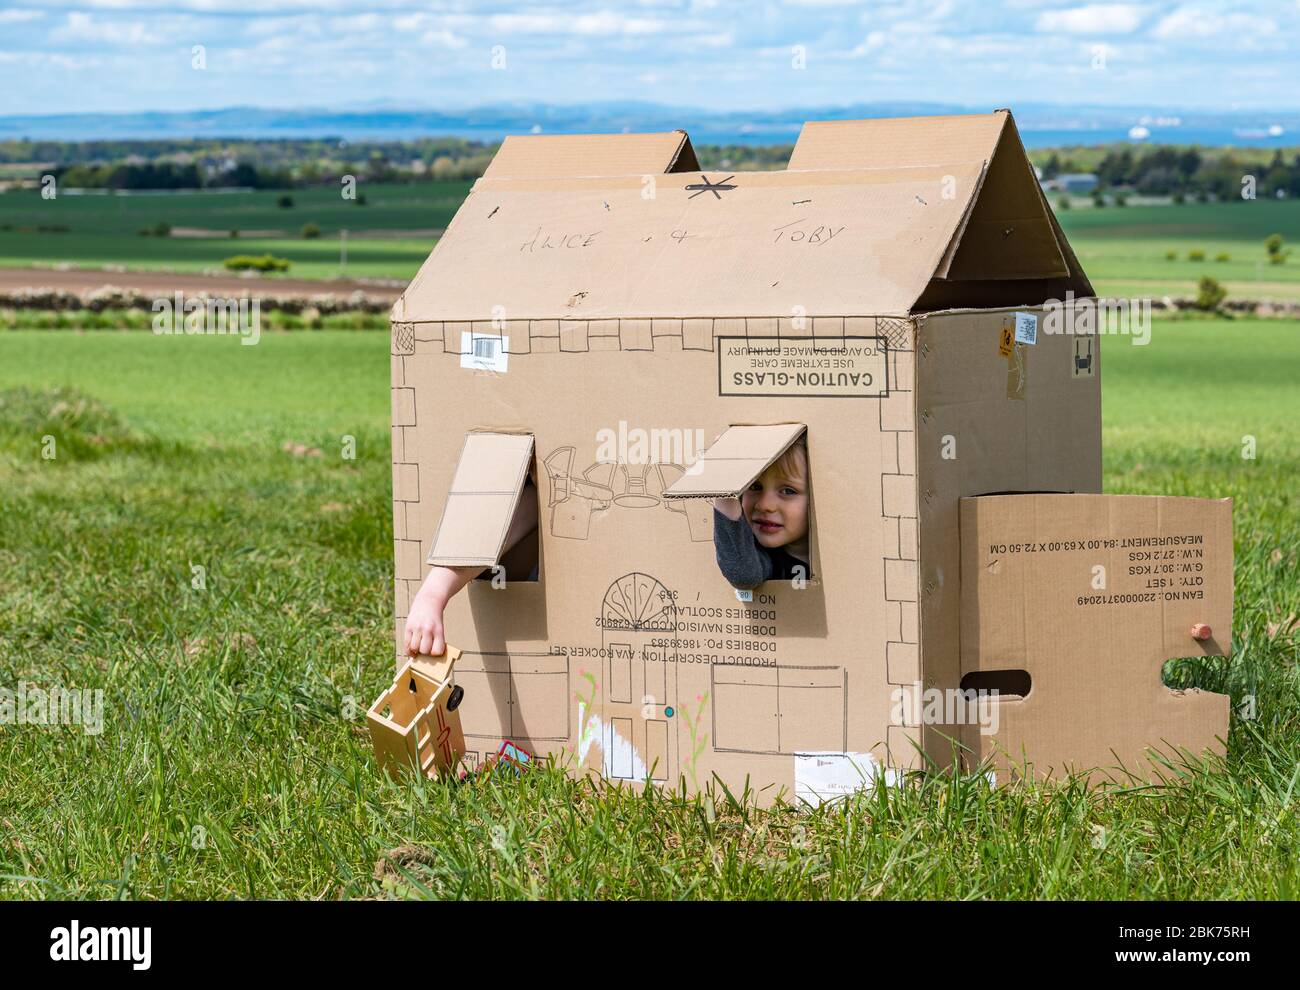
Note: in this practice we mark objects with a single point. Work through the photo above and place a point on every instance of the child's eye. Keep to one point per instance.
(787, 490)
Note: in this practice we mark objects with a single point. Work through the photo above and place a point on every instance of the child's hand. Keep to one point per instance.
(729, 507)
(424, 627)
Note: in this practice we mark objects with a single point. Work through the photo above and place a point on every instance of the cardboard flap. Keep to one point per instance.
(489, 479)
(898, 142)
(736, 458)
(540, 156)
(1009, 231)
(1089, 595)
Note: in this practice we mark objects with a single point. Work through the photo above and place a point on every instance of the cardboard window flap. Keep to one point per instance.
(736, 458)
(485, 490)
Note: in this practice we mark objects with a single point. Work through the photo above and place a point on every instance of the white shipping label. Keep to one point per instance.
(1026, 328)
(829, 776)
(483, 352)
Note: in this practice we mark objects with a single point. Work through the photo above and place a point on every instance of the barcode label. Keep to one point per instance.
(484, 353)
(1026, 328)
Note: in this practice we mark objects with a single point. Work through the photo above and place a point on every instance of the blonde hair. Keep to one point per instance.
(794, 462)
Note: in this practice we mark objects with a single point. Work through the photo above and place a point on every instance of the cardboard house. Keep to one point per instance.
(599, 310)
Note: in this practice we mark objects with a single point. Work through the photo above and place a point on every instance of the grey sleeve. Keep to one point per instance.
(741, 560)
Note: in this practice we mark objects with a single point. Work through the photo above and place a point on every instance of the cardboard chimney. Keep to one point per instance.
(599, 310)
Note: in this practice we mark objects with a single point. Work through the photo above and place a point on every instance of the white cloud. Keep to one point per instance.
(872, 42)
(1094, 18)
(602, 22)
(87, 27)
(19, 16)
(444, 38)
(1198, 23)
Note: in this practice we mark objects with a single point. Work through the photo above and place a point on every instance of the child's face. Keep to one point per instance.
(776, 506)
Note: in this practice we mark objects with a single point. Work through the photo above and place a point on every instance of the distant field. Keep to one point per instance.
(103, 230)
(1122, 248)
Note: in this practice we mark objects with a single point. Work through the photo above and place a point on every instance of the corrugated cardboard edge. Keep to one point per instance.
(670, 495)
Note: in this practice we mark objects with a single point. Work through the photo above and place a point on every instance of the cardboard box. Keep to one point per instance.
(1072, 603)
(595, 315)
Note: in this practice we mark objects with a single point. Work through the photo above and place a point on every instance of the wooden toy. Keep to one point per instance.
(416, 722)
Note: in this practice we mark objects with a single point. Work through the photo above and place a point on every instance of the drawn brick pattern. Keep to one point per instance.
(407, 552)
(898, 501)
(897, 426)
(403, 338)
(578, 336)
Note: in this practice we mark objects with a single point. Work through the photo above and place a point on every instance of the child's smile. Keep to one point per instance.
(776, 506)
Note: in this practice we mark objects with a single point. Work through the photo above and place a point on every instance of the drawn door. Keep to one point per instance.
(639, 619)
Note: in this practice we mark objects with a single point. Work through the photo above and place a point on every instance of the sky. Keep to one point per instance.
(135, 55)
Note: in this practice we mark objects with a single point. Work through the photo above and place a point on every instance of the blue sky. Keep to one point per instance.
(123, 55)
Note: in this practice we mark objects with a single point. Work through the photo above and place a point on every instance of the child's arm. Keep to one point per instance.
(424, 631)
(742, 562)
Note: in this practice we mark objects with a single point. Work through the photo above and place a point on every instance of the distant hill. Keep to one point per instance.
(1042, 125)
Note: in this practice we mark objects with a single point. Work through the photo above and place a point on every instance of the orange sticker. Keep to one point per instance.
(1006, 343)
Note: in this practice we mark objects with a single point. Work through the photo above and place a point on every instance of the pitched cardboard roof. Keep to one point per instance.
(1012, 233)
(539, 156)
(895, 142)
(879, 217)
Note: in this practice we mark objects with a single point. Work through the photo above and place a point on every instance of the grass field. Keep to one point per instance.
(103, 230)
(1122, 249)
(233, 761)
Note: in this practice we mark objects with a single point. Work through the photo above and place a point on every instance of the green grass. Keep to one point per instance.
(233, 760)
(1122, 249)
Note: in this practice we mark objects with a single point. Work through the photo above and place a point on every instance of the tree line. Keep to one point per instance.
(1173, 171)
